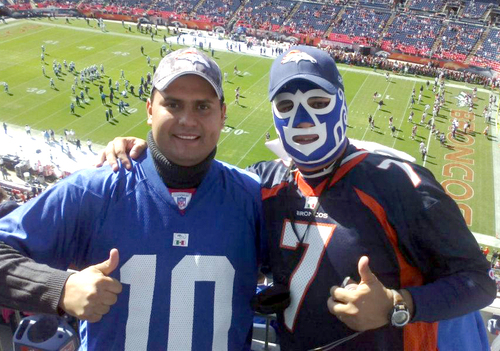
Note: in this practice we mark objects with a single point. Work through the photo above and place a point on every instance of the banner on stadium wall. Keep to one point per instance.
(382, 53)
(178, 24)
(451, 65)
(108, 16)
(194, 24)
(44, 11)
(290, 39)
(484, 71)
(219, 29)
(425, 61)
(261, 33)
(331, 43)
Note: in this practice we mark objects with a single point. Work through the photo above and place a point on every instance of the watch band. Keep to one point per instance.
(397, 297)
(400, 314)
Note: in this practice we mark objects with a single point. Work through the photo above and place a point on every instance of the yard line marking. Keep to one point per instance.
(258, 140)
(250, 114)
(402, 120)
(376, 110)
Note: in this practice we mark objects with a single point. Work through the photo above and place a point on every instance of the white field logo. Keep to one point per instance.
(462, 99)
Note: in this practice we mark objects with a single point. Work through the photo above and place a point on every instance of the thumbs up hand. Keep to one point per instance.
(364, 306)
(90, 293)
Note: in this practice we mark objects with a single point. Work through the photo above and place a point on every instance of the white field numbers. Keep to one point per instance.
(235, 131)
(35, 91)
(140, 272)
(121, 53)
(316, 242)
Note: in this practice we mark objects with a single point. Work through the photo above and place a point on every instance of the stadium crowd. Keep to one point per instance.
(441, 29)
(349, 57)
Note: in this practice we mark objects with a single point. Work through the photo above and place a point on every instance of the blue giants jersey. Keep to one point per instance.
(391, 211)
(188, 276)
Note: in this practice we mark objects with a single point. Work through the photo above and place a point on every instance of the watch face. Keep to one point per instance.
(400, 317)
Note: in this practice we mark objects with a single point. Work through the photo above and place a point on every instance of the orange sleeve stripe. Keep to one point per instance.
(267, 193)
(346, 168)
(417, 336)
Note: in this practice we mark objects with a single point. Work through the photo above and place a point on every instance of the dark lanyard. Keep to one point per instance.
(314, 211)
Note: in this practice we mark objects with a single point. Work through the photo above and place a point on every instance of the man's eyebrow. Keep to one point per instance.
(174, 99)
(171, 99)
(205, 101)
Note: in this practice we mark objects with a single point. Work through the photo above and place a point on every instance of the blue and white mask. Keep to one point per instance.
(318, 144)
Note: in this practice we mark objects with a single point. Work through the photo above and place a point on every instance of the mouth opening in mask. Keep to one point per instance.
(305, 139)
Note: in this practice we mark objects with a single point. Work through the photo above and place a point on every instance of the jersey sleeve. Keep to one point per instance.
(52, 227)
(434, 237)
(41, 239)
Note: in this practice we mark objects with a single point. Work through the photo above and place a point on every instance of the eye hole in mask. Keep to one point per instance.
(315, 101)
(285, 106)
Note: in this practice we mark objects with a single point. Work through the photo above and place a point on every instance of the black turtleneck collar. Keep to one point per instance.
(175, 176)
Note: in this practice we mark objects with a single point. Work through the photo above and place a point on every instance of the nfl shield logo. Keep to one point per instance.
(181, 202)
(182, 199)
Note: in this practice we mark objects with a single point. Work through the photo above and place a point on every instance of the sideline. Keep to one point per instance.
(449, 82)
(35, 149)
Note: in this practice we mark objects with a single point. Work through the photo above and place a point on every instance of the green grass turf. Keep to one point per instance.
(33, 102)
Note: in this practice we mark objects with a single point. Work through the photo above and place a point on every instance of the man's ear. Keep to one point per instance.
(149, 111)
(223, 115)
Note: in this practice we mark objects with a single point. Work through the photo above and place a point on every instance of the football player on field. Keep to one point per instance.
(338, 214)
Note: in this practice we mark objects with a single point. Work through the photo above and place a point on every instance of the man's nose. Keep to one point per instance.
(188, 117)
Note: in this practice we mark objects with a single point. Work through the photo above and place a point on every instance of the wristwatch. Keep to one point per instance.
(400, 314)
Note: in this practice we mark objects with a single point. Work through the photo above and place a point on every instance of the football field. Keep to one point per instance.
(464, 166)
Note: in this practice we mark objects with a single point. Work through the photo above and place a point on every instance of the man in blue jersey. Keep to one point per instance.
(334, 211)
(169, 250)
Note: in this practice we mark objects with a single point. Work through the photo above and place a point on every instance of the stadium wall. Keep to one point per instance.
(108, 16)
(451, 65)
